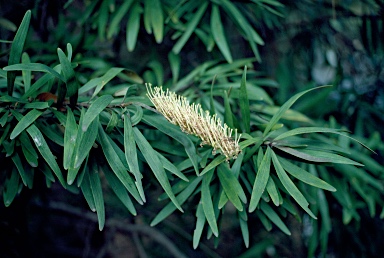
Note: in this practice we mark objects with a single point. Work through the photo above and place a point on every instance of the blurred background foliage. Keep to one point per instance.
(287, 46)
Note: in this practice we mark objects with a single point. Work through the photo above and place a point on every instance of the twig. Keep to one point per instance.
(114, 223)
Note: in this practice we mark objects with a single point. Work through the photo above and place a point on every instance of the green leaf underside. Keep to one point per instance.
(206, 200)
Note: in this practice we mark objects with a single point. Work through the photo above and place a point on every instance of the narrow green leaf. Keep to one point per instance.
(43, 148)
(228, 115)
(119, 190)
(214, 163)
(68, 74)
(218, 33)
(276, 117)
(34, 67)
(85, 143)
(26, 121)
(133, 26)
(305, 176)
(116, 165)
(26, 177)
(273, 192)
(174, 131)
(11, 187)
(228, 182)
(94, 110)
(244, 102)
(131, 154)
(157, 19)
(16, 49)
(319, 156)
(206, 200)
(272, 215)
(116, 20)
(199, 225)
(70, 135)
(97, 194)
(99, 83)
(87, 191)
(190, 28)
(304, 130)
(155, 164)
(244, 228)
(171, 168)
(181, 198)
(290, 186)
(261, 180)
(26, 74)
(174, 62)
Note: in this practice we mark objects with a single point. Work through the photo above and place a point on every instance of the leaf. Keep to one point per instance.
(244, 229)
(87, 191)
(199, 225)
(94, 110)
(97, 194)
(304, 176)
(68, 73)
(228, 115)
(16, 50)
(261, 180)
(26, 176)
(131, 155)
(70, 135)
(218, 33)
(11, 187)
(290, 186)
(271, 214)
(26, 74)
(99, 83)
(214, 163)
(174, 131)
(276, 117)
(190, 28)
(34, 67)
(133, 26)
(181, 198)
(116, 165)
(120, 191)
(116, 20)
(26, 121)
(244, 103)
(43, 148)
(318, 156)
(273, 192)
(230, 185)
(304, 130)
(155, 164)
(206, 200)
(157, 19)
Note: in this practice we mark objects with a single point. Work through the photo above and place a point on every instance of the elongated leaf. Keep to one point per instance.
(87, 191)
(319, 156)
(28, 150)
(214, 163)
(228, 116)
(190, 28)
(244, 228)
(85, 143)
(218, 33)
(305, 176)
(276, 117)
(11, 187)
(26, 121)
(273, 192)
(157, 19)
(97, 194)
(26, 74)
(26, 177)
(117, 166)
(17, 49)
(133, 26)
(94, 110)
(70, 136)
(207, 204)
(290, 186)
(34, 67)
(116, 20)
(131, 154)
(119, 190)
(43, 148)
(68, 74)
(155, 164)
(272, 215)
(228, 182)
(181, 198)
(304, 130)
(244, 103)
(199, 225)
(99, 83)
(174, 132)
(171, 168)
(261, 180)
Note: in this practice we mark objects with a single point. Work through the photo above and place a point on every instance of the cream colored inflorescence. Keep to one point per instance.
(192, 119)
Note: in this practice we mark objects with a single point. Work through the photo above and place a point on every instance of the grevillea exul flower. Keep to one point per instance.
(192, 119)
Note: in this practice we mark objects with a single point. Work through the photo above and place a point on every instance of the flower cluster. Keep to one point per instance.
(192, 119)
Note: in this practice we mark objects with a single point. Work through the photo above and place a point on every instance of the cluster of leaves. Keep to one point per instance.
(82, 129)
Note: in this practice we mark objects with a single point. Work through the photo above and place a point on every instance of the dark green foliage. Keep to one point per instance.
(84, 115)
